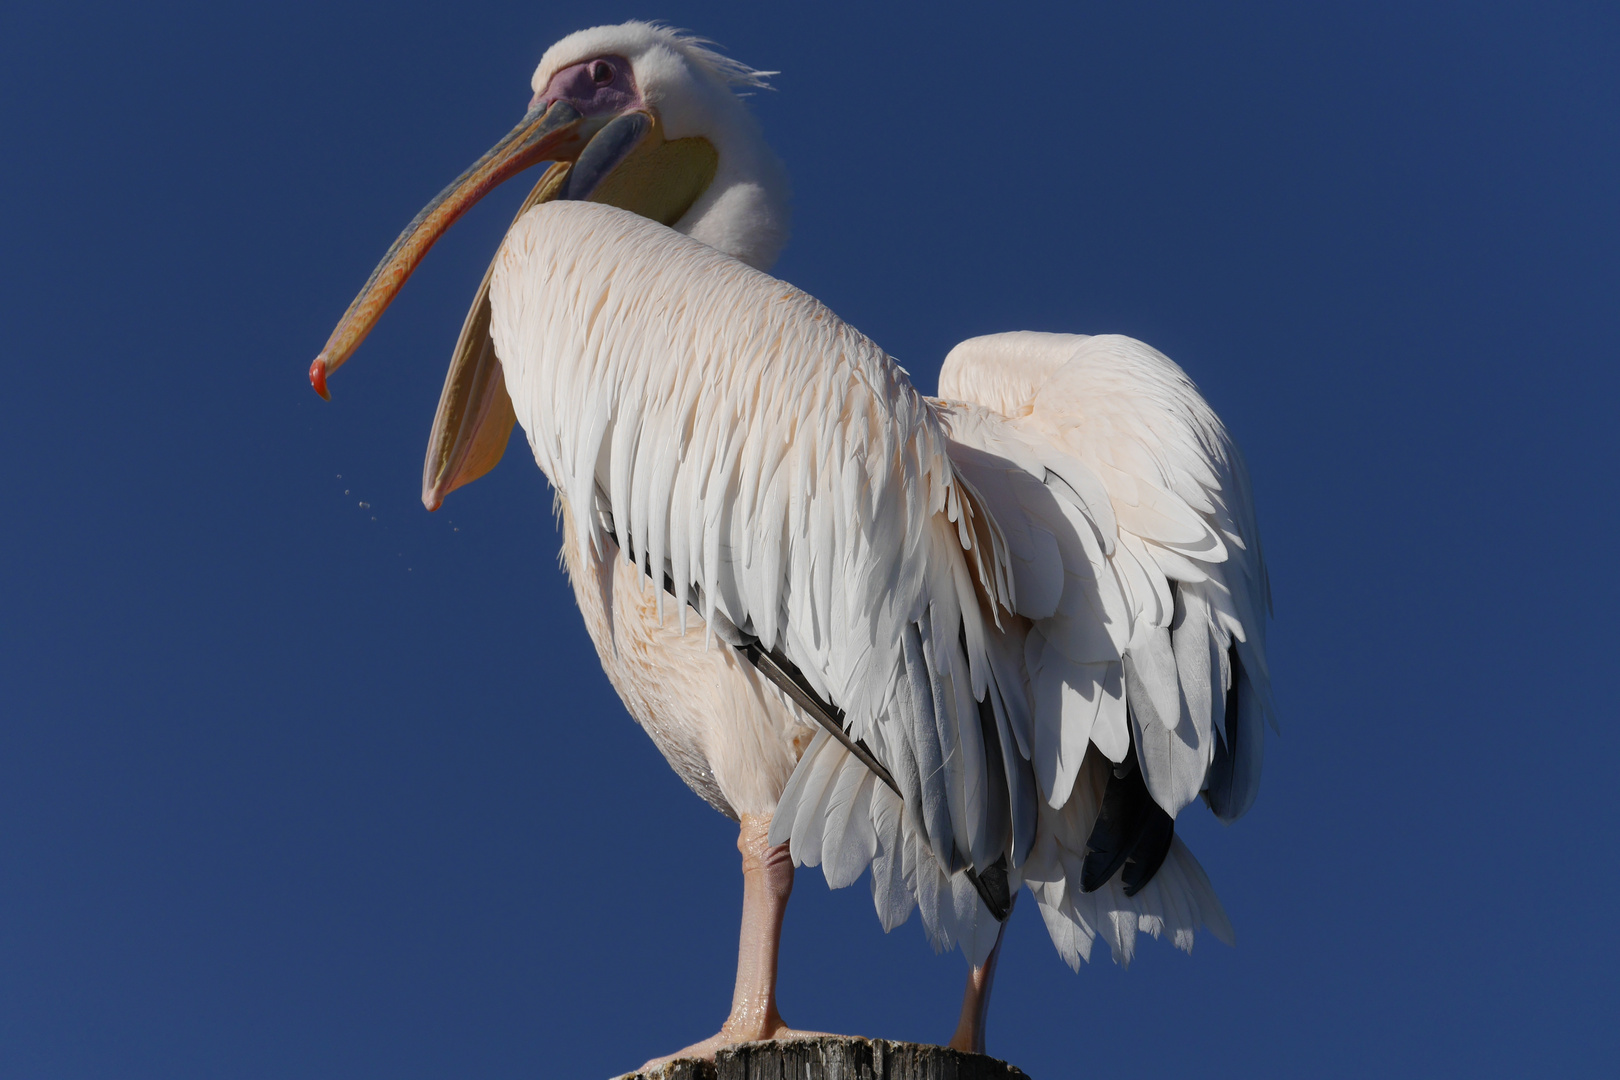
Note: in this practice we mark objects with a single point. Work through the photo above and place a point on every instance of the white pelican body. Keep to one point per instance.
(721, 725)
(780, 468)
(1010, 633)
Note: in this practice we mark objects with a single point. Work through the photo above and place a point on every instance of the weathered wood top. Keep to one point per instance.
(836, 1057)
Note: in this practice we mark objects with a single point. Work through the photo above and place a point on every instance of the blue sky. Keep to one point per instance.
(297, 779)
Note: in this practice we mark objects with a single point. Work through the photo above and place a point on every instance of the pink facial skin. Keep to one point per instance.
(599, 86)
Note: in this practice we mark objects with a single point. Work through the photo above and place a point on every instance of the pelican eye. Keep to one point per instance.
(601, 72)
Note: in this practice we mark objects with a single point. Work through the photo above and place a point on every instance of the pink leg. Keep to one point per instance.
(767, 884)
(976, 1002)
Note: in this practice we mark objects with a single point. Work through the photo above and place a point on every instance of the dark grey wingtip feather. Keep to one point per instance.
(1114, 833)
(1132, 833)
(1234, 775)
(1150, 850)
(991, 883)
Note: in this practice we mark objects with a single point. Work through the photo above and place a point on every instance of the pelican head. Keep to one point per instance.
(640, 116)
(691, 92)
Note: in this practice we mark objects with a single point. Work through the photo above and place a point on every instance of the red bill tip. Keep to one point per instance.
(317, 377)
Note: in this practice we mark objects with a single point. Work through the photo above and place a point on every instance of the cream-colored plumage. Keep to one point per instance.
(722, 726)
(729, 432)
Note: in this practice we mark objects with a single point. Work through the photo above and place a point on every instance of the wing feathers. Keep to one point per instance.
(1156, 635)
(986, 597)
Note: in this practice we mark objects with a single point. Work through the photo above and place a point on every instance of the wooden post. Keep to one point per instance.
(835, 1057)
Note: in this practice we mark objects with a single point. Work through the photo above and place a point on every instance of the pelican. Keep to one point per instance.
(966, 645)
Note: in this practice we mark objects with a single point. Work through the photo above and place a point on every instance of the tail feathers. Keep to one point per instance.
(1176, 901)
(860, 823)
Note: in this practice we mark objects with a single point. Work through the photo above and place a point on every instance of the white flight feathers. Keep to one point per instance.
(1160, 587)
(1001, 591)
